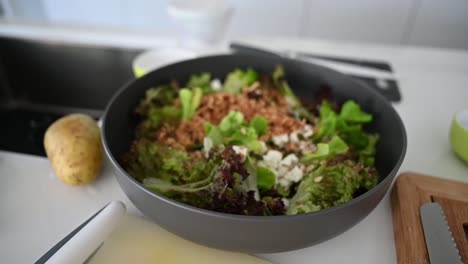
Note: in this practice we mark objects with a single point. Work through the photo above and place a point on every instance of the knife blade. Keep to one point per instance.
(439, 240)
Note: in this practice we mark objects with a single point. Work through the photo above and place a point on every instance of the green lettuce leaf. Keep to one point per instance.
(166, 114)
(157, 97)
(239, 79)
(323, 151)
(202, 81)
(327, 122)
(231, 123)
(348, 125)
(349, 120)
(337, 146)
(233, 130)
(157, 108)
(334, 147)
(190, 101)
(148, 159)
(214, 134)
(351, 112)
(329, 186)
(156, 117)
(260, 124)
(265, 178)
(367, 154)
(225, 189)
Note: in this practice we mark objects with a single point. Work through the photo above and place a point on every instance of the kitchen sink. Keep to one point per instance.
(41, 81)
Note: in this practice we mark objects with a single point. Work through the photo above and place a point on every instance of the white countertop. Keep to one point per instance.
(38, 210)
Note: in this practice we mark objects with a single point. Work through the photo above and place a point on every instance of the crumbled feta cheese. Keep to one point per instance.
(303, 144)
(289, 160)
(282, 170)
(284, 182)
(280, 140)
(285, 201)
(272, 158)
(307, 131)
(241, 151)
(287, 170)
(294, 175)
(293, 137)
(216, 85)
(207, 146)
(307, 147)
(318, 179)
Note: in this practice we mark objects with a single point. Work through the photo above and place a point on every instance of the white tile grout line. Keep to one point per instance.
(410, 22)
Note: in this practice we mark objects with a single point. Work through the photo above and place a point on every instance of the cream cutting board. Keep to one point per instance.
(138, 240)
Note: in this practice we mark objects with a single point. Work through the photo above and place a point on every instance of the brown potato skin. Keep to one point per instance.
(73, 146)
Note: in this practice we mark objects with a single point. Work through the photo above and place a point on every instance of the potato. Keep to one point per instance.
(73, 146)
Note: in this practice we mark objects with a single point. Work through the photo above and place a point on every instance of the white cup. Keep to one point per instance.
(202, 22)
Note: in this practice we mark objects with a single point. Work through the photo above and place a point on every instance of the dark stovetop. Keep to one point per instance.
(41, 81)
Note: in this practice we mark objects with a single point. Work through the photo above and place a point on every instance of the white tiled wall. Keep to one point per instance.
(267, 17)
(136, 14)
(146, 14)
(380, 21)
(87, 12)
(440, 23)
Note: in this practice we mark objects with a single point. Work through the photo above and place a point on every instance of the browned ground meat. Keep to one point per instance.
(268, 103)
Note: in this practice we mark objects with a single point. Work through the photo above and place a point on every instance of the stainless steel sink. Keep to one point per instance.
(41, 81)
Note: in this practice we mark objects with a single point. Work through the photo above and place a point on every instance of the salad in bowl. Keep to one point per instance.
(248, 145)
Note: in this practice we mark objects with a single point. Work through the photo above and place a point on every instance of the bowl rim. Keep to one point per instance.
(461, 119)
(252, 218)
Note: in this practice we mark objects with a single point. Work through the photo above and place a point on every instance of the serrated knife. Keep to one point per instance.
(439, 240)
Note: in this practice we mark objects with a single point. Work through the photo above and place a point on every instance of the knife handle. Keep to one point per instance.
(77, 246)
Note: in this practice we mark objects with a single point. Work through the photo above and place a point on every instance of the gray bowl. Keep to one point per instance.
(255, 234)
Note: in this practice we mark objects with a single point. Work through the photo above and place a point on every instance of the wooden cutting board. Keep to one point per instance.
(410, 192)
